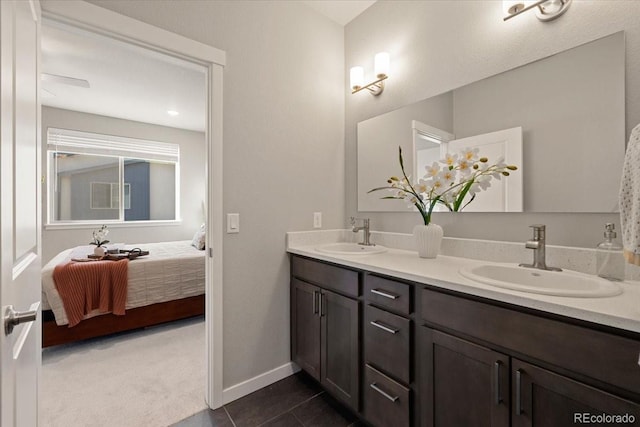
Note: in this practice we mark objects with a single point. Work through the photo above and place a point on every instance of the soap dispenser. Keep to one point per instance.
(610, 261)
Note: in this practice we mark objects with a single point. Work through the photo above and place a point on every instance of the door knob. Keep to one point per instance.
(13, 318)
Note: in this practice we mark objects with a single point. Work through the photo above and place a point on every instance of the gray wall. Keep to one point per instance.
(192, 185)
(571, 110)
(437, 46)
(378, 141)
(283, 152)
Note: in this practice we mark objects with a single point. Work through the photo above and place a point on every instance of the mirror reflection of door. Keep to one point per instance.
(505, 194)
(429, 147)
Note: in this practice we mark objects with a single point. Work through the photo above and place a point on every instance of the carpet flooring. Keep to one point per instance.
(152, 377)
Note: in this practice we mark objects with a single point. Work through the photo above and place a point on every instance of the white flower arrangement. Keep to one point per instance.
(99, 236)
(453, 182)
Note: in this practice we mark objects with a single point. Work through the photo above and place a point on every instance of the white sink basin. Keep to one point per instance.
(351, 249)
(564, 283)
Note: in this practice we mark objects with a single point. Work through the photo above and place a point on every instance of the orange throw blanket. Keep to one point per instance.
(86, 286)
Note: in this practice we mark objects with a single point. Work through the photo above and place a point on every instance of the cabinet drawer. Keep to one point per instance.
(388, 294)
(386, 403)
(599, 355)
(326, 276)
(387, 340)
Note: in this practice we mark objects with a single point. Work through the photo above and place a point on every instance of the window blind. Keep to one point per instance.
(66, 140)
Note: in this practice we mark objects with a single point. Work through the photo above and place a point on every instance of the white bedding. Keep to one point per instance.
(171, 271)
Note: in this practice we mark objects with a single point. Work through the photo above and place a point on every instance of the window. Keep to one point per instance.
(106, 195)
(97, 178)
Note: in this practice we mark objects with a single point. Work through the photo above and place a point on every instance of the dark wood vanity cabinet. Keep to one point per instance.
(406, 354)
(305, 327)
(542, 398)
(325, 334)
(388, 347)
(465, 384)
(339, 342)
(488, 382)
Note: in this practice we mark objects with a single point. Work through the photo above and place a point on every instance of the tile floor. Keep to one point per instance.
(293, 402)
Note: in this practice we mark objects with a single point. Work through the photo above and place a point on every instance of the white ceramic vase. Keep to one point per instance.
(99, 251)
(428, 240)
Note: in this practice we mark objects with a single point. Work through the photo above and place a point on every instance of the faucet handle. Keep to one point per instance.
(352, 220)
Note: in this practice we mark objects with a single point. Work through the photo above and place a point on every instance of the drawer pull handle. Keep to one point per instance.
(382, 392)
(496, 380)
(384, 294)
(384, 327)
(518, 392)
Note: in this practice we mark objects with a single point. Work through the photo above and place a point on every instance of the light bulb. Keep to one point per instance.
(356, 77)
(381, 64)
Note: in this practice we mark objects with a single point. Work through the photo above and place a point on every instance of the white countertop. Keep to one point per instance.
(621, 311)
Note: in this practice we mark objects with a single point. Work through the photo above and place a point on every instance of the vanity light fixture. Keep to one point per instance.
(546, 10)
(381, 67)
(172, 113)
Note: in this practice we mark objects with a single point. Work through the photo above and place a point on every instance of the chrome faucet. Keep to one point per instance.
(538, 244)
(366, 233)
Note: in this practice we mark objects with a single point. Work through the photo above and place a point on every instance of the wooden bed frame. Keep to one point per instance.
(107, 324)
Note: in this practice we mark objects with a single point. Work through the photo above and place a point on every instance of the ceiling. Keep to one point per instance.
(126, 81)
(135, 83)
(340, 11)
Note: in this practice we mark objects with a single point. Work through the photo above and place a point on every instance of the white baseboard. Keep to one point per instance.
(256, 383)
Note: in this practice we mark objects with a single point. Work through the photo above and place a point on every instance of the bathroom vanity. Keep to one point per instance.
(402, 348)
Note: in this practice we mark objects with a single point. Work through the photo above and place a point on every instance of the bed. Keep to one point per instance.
(166, 285)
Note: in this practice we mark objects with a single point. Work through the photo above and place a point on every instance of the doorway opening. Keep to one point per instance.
(176, 198)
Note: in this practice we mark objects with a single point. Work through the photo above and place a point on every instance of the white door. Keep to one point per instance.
(429, 146)
(20, 347)
(506, 194)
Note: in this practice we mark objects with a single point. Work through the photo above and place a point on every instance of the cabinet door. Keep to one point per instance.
(543, 398)
(463, 384)
(339, 343)
(305, 326)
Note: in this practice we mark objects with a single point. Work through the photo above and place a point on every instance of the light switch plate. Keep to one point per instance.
(317, 220)
(233, 223)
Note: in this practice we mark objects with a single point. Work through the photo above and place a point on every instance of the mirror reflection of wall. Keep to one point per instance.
(571, 110)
